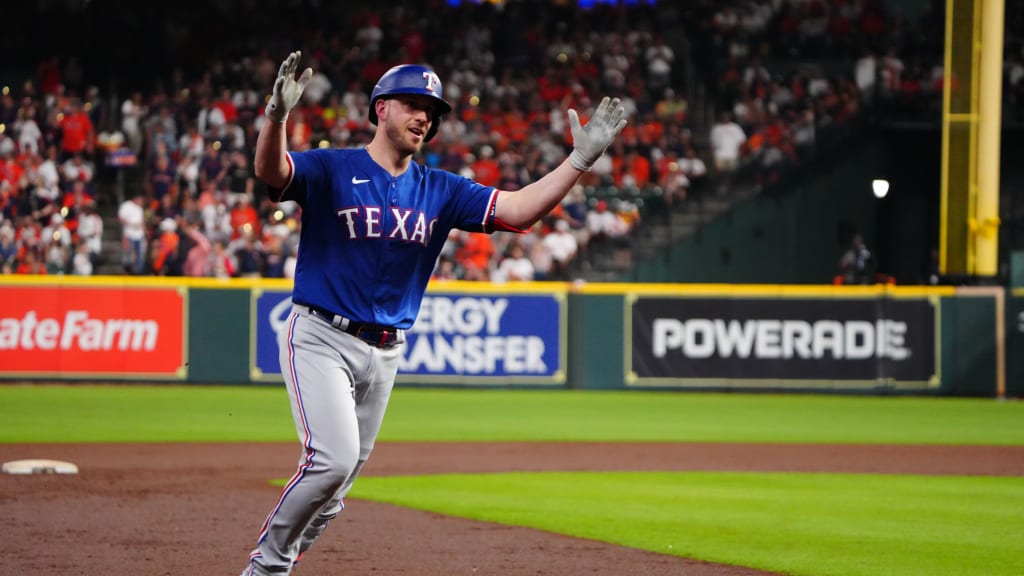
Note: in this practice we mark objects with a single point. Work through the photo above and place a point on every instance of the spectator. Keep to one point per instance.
(162, 128)
(30, 136)
(56, 256)
(197, 256)
(446, 269)
(162, 181)
(474, 255)
(726, 139)
(212, 168)
(226, 105)
(319, 85)
(672, 179)
(248, 254)
(240, 178)
(301, 130)
(755, 73)
(247, 100)
(277, 225)
(671, 108)
(48, 178)
(208, 117)
(77, 132)
(222, 264)
(187, 177)
(563, 249)
(515, 266)
(133, 109)
(73, 203)
(803, 133)
(8, 248)
(602, 225)
(866, 75)
(76, 168)
(891, 73)
(540, 253)
(90, 231)
(693, 167)
(632, 170)
(627, 216)
(82, 261)
(191, 145)
(57, 231)
(30, 264)
(244, 218)
(273, 257)
(132, 217)
(290, 261)
(575, 210)
(659, 57)
(856, 266)
(485, 168)
(29, 236)
(165, 249)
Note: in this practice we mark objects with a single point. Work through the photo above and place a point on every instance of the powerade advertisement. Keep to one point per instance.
(472, 339)
(783, 342)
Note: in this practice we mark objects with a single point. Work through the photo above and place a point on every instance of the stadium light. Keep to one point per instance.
(880, 187)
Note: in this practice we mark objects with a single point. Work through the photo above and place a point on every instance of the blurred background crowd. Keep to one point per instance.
(140, 162)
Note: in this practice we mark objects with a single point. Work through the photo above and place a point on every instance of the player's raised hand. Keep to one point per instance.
(590, 141)
(287, 89)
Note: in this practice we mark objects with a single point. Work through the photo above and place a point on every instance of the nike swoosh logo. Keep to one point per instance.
(358, 181)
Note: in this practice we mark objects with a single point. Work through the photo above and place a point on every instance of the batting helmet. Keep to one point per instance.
(410, 79)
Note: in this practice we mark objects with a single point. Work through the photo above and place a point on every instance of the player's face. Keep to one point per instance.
(407, 121)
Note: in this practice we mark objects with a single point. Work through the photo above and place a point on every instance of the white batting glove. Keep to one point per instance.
(287, 90)
(590, 141)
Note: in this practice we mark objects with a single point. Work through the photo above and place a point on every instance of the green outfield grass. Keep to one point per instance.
(800, 524)
(79, 413)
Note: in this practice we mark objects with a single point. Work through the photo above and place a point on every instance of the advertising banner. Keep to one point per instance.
(783, 342)
(82, 331)
(270, 309)
(492, 339)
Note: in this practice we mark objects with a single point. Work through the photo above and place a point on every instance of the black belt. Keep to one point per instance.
(372, 334)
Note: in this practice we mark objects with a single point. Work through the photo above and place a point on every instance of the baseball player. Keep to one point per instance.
(373, 224)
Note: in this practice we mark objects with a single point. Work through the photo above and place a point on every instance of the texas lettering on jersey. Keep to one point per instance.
(370, 239)
(366, 222)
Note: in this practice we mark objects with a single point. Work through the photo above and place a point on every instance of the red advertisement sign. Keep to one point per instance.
(78, 331)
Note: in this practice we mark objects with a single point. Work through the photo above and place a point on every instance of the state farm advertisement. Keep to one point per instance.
(92, 331)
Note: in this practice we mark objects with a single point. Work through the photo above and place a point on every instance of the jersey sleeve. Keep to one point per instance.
(308, 172)
(474, 205)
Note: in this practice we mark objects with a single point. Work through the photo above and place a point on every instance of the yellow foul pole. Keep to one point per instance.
(985, 222)
(971, 119)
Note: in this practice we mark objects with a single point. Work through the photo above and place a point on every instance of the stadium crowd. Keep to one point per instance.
(188, 203)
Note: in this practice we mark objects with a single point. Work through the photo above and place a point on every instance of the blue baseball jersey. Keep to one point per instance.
(370, 240)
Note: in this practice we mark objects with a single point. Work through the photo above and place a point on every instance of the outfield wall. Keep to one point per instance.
(868, 339)
(1015, 343)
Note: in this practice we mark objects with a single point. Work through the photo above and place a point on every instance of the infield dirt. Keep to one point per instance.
(189, 509)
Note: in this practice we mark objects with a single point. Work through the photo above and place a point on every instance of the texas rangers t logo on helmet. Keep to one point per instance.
(410, 79)
(432, 82)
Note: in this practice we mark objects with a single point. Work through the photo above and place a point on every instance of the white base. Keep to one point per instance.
(39, 466)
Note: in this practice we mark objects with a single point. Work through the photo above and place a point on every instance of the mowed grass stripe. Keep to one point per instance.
(88, 413)
(801, 524)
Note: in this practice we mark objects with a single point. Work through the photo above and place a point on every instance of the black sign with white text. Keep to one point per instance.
(808, 339)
